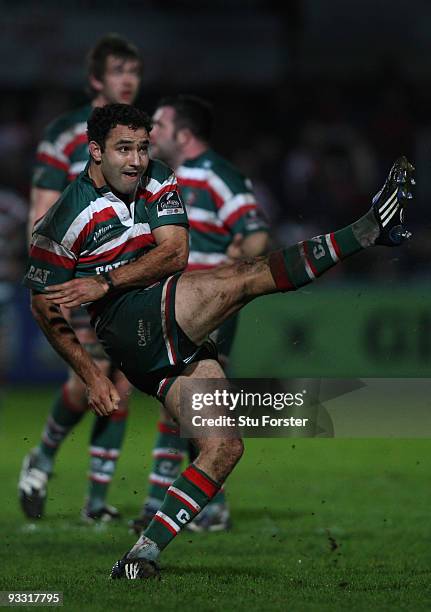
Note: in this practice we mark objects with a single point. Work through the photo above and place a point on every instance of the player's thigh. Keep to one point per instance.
(205, 369)
(219, 448)
(202, 377)
(205, 298)
(224, 337)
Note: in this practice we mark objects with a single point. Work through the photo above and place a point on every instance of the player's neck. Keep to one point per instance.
(193, 149)
(99, 100)
(96, 175)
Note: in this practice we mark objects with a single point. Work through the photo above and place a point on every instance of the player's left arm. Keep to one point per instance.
(241, 215)
(170, 255)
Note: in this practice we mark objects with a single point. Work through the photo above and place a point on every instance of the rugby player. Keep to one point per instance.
(225, 223)
(114, 74)
(113, 241)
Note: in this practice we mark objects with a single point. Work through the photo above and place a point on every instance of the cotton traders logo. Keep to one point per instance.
(98, 234)
(170, 204)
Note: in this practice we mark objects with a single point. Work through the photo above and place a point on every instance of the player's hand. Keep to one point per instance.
(77, 291)
(103, 397)
(234, 250)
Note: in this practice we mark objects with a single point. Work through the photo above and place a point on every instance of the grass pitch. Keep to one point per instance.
(318, 525)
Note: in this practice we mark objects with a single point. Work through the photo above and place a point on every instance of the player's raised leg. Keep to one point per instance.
(190, 492)
(205, 299)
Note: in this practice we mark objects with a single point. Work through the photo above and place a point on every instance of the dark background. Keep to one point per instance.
(313, 100)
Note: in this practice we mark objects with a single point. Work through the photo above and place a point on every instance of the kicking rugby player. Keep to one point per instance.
(124, 211)
(114, 74)
(225, 223)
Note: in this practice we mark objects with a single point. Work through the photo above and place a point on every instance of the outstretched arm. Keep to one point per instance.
(169, 256)
(102, 395)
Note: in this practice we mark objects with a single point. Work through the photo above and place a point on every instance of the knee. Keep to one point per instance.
(236, 450)
(123, 386)
(243, 272)
(229, 452)
(75, 393)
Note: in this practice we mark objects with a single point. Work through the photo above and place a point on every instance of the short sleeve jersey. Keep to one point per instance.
(90, 230)
(220, 203)
(63, 151)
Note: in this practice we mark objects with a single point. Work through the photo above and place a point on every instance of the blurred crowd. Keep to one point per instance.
(316, 152)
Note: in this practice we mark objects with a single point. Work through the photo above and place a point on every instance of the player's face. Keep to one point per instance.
(125, 158)
(120, 81)
(164, 144)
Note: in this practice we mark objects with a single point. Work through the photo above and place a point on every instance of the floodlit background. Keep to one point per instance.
(314, 100)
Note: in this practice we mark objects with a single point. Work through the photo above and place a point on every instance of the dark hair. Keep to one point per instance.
(110, 44)
(191, 112)
(103, 119)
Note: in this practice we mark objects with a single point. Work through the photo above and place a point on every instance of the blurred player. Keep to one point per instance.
(13, 215)
(154, 322)
(114, 74)
(224, 224)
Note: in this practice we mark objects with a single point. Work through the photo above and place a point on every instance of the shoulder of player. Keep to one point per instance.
(159, 171)
(217, 170)
(158, 178)
(67, 122)
(73, 201)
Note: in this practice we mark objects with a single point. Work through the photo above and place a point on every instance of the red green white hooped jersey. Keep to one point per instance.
(90, 230)
(63, 151)
(220, 203)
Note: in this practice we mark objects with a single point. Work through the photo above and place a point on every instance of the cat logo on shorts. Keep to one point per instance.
(170, 204)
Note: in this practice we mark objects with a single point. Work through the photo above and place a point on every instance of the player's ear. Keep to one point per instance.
(95, 151)
(183, 136)
(95, 84)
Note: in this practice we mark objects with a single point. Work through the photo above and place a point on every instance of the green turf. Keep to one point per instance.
(318, 525)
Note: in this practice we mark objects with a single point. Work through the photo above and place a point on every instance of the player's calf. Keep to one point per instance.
(184, 499)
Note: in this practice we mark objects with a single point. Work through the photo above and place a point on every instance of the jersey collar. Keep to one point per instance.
(125, 213)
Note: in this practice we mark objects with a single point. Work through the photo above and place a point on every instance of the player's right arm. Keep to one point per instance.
(52, 261)
(102, 395)
(41, 201)
(50, 172)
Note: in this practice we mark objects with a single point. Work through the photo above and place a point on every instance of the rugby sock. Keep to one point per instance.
(300, 264)
(168, 455)
(184, 499)
(106, 442)
(64, 416)
(220, 497)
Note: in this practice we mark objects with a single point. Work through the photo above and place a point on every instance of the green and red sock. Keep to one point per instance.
(184, 499)
(300, 264)
(62, 419)
(106, 442)
(168, 454)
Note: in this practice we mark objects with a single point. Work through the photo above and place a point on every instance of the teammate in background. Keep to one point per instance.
(225, 224)
(13, 215)
(114, 74)
(152, 321)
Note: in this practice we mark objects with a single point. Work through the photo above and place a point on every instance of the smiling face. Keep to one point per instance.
(120, 82)
(123, 160)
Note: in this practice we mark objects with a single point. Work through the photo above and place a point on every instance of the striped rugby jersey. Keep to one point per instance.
(90, 230)
(220, 203)
(63, 151)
